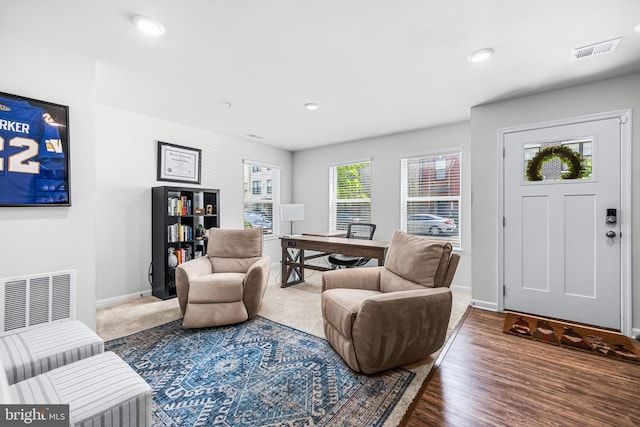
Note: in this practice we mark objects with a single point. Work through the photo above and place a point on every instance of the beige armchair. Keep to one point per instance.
(227, 285)
(382, 317)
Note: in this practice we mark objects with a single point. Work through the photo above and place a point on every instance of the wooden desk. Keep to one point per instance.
(294, 259)
(330, 233)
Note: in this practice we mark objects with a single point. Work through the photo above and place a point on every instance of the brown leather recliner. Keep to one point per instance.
(227, 285)
(382, 317)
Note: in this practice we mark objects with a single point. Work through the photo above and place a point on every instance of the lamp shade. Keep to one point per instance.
(292, 212)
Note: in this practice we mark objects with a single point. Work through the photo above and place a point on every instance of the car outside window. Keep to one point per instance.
(430, 196)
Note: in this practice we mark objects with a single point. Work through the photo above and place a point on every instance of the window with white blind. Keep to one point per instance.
(430, 196)
(349, 194)
(262, 197)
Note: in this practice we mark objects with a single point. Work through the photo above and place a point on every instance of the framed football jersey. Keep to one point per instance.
(34, 152)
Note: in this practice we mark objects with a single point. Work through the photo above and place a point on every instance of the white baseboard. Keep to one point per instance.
(108, 302)
(485, 305)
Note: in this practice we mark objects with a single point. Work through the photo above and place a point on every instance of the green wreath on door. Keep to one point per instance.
(566, 155)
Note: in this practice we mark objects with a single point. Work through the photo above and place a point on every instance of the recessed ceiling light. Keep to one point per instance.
(481, 55)
(148, 25)
(311, 106)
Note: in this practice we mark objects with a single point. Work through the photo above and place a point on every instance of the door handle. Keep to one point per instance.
(611, 234)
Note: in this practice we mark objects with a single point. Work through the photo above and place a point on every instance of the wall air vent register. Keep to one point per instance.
(35, 299)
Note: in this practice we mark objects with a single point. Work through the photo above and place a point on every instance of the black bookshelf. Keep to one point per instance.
(177, 215)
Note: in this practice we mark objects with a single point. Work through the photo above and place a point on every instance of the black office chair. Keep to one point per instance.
(355, 230)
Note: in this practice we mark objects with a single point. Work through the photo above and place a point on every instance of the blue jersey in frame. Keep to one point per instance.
(32, 158)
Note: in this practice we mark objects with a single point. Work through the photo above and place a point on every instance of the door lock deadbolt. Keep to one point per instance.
(612, 216)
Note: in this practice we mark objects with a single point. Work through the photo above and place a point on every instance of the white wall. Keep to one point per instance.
(105, 234)
(311, 180)
(48, 239)
(126, 169)
(607, 95)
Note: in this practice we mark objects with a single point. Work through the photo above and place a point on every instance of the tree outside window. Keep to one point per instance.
(349, 194)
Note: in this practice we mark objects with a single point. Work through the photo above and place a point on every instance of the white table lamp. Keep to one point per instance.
(292, 212)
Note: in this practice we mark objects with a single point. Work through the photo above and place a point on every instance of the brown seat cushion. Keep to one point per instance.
(340, 306)
(220, 287)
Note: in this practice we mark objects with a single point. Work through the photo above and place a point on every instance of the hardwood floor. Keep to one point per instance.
(489, 378)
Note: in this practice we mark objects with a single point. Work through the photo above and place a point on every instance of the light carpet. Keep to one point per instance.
(297, 306)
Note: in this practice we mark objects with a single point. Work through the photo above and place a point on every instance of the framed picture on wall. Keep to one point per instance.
(179, 164)
(34, 152)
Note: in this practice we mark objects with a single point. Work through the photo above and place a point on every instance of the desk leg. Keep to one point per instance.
(283, 266)
(292, 267)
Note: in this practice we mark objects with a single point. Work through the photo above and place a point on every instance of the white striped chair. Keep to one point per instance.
(100, 390)
(38, 349)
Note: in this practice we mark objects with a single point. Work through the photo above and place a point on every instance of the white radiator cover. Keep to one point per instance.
(36, 299)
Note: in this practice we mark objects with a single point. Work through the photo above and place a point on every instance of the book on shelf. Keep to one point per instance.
(179, 206)
(179, 233)
(183, 254)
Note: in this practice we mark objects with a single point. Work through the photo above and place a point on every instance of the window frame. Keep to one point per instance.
(256, 187)
(333, 192)
(405, 199)
(262, 171)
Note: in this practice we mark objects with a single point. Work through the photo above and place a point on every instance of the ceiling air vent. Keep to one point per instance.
(595, 49)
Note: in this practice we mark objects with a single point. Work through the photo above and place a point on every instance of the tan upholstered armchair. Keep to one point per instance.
(382, 317)
(227, 285)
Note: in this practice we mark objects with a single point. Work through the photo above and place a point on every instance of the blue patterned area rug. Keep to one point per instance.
(257, 373)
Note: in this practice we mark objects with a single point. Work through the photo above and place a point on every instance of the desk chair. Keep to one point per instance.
(355, 230)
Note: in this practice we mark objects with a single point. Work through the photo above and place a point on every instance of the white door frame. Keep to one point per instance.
(626, 302)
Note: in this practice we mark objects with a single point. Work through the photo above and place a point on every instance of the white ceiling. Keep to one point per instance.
(375, 67)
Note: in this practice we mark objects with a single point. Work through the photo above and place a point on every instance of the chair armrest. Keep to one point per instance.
(255, 285)
(186, 272)
(415, 321)
(353, 278)
(451, 269)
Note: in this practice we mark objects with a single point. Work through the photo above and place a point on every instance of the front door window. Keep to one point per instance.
(555, 161)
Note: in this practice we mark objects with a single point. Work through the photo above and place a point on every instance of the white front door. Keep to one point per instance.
(561, 256)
